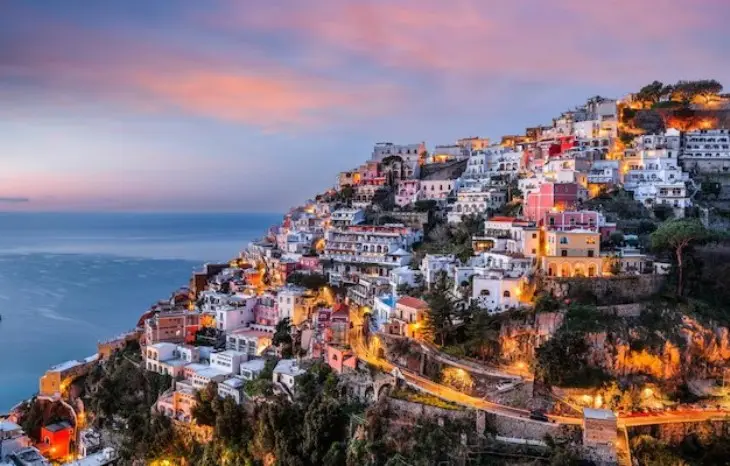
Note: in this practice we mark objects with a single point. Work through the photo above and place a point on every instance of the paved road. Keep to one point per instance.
(449, 394)
(442, 391)
(674, 417)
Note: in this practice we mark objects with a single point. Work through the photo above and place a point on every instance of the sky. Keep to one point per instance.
(254, 106)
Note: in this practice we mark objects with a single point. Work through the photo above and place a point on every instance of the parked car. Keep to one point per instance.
(507, 385)
(539, 415)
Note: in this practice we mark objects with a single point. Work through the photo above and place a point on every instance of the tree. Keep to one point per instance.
(617, 238)
(711, 188)
(282, 337)
(311, 281)
(651, 93)
(440, 314)
(663, 212)
(204, 411)
(483, 333)
(677, 235)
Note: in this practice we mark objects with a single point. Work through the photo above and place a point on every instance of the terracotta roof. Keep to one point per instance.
(502, 219)
(413, 302)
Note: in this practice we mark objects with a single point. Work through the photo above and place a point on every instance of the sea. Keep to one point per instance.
(68, 280)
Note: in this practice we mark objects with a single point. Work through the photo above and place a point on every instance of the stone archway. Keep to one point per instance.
(384, 390)
(369, 395)
(579, 270)
(565, 270)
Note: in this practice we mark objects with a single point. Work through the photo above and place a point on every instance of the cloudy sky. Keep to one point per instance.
(242, 105)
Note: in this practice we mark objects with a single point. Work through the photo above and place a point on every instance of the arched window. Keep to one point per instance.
(506, 294)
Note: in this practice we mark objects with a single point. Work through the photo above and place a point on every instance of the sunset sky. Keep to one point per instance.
(236, 105)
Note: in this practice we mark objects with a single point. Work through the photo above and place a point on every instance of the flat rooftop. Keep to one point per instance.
(600, 414)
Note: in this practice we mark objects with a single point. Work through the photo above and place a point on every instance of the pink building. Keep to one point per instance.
(310, 263)
(407, 192)
(340, 359)
(581, 219)
(551, 197)
(266, 311)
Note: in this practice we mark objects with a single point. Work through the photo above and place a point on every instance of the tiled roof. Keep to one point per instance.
(413, 302)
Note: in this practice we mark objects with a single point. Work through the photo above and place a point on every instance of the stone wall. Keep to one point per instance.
(531, 430)
(608, 290)
(623, 310)
(416, 410)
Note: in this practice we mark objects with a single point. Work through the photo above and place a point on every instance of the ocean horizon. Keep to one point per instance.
(68, 280)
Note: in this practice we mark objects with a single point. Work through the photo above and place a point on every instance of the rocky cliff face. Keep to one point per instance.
(675, 351)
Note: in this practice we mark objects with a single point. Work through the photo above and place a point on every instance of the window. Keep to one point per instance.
(564, 240)
(506, 294)
(564, 253)
(534, 251)
(552, 221)
(591, 253)
(534, 235)
(591, 240)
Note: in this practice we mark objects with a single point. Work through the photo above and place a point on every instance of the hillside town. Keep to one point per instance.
(537, 298)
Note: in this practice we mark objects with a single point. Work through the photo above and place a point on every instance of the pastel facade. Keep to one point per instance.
(251, 342)
(228, 361)
(177, 403)
(706, 150)
(475, 201)
(551, 197)
(572, 253)
(436, 190)
(368, 250)
(409, 317)
(496, 292)
(407, 192)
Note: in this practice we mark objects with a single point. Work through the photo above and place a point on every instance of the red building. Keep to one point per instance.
(56, 440)
(552, 197)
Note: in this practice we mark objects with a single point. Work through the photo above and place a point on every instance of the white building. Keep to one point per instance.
(200, 375)
(236, 314)
(448, 153)
(368, 250)
(604, 172)
(433, 264)
(251, 342)
(232, 387)
(347, 217)
(12, 439)
(436, 190)
(164, 358)
(707, 150)
(653, 174)
(475, 201)
(286, 372)
(497, 292)
(250, 370)
(408, 152)
(290, 301)
(228, 361)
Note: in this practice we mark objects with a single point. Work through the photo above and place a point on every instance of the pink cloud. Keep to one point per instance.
(605, 42)
(157, 77)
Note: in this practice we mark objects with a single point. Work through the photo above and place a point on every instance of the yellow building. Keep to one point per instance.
(573, 253)
(57, 379)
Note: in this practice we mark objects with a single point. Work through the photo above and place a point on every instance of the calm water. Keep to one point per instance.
(69, 280)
